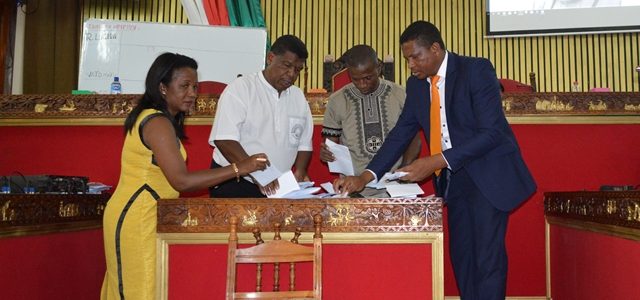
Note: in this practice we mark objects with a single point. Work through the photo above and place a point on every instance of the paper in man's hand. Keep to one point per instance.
(342, 164)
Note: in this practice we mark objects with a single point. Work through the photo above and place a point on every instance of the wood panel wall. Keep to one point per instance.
(333, 26)
(51, 50)
(7, 16)
(162, 11)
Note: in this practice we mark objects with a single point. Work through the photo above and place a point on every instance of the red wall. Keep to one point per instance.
(579, 260)
(53, 266)
(349, 272)
(561, 158)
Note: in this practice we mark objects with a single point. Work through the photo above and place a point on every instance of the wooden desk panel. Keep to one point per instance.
(28, 214)
(614, 213)
(349, 221)
(522, 108)
(588, 235)
(193, 215)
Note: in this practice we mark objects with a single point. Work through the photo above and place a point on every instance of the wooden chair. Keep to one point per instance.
(275, 252)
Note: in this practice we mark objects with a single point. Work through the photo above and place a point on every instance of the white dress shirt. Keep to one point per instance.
(251, 112)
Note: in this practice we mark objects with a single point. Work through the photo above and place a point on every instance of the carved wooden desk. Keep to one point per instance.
(28, 214)
(589, 233)
(613, 213)
(346, 221)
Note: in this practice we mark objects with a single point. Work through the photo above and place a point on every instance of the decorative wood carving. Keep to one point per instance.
(192, 215)
(22, 213)
(515, 104)
(117, 106)
(608, 208)
(85, 106)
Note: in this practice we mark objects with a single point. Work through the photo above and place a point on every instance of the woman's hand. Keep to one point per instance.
(253, 163)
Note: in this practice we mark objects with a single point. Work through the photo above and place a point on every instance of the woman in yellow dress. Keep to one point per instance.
(153, 167)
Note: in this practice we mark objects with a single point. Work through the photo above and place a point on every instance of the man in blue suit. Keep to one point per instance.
(475, 159)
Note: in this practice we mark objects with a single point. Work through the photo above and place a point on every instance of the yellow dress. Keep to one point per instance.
(129, 223)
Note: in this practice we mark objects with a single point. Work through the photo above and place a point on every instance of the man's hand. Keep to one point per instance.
(419, 169)
(269, 189)
(325, 154)
(301, 176)
(350, 184)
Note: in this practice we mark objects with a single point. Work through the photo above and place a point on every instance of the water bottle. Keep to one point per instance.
(116, 87)
(575, 86)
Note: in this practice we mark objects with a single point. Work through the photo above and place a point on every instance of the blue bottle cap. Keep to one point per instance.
(116, 78)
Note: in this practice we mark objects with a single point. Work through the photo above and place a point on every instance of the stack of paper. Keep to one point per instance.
(303, 193)
(390, 182)
(408, 190)
(291, 189)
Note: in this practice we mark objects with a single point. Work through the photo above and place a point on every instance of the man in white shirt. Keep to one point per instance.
(264, 113)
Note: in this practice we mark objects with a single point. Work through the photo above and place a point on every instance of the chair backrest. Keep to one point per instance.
(275, 252)
(512, 86)
(340, 79)
(211, 87)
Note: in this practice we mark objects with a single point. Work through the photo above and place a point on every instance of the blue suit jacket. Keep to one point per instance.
(483, 144)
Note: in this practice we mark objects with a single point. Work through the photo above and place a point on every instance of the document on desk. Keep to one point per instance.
(304, 193)
(403, 189)
(386, 179)
(267, 175)
(288, 183)
(328, 186)
(342, 164)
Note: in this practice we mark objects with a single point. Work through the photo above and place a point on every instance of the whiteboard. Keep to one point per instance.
(127, 50)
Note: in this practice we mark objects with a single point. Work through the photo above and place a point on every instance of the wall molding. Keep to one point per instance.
(110, 110)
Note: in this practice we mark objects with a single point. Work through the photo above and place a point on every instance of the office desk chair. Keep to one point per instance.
(276, 252)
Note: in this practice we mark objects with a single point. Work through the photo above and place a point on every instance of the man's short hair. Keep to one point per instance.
(290, 43)
(361, 55)
(424, 33)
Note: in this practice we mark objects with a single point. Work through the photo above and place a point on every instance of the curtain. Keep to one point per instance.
(217, 13)
(245, 13)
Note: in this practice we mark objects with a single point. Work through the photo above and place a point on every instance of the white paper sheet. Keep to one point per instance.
(287, 184)
(404, 190)
(267, 175)
(303, 193)
(342, 164)
(386, 179)
(306, 184)
(328, 186)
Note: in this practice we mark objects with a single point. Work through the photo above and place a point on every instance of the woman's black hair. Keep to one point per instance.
(161, 71)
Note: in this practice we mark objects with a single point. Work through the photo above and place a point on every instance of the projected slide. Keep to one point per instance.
(529, 17)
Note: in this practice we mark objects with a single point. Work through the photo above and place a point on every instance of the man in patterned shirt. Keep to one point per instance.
(361, 114)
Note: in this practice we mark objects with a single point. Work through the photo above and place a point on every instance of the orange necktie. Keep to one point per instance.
(435, 134)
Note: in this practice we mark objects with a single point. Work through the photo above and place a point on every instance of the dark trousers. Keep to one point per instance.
(233, 189)
(476, 241)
